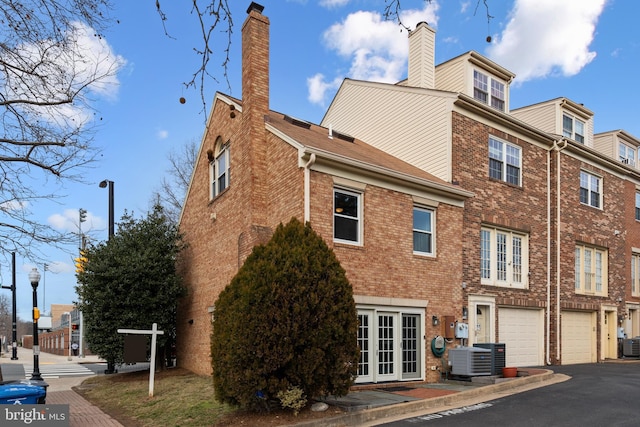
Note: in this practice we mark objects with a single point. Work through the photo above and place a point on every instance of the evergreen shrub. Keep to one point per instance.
(286, 320)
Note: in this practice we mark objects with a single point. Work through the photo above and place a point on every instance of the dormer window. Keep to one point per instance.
(495, 98)
(627, 154)
(573, 128)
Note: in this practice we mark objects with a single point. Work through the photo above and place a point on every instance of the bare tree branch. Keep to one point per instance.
(50, 71)
(210, 16)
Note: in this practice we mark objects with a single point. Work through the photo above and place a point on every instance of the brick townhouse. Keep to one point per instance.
(550, 240)
(396, 228)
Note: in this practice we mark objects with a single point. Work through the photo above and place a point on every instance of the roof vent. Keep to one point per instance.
(297, 122)
(343, 136)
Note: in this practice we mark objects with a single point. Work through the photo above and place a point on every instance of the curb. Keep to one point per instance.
(375, 414)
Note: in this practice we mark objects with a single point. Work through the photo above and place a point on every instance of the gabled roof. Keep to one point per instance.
(337, 147)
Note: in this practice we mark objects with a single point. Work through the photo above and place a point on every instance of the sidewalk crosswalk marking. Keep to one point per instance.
(58, 370)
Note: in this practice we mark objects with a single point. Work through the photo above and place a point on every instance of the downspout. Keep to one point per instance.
(548, 328)
(556, 148)
(307, 188)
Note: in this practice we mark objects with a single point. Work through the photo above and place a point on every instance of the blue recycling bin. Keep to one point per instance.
(22, 393)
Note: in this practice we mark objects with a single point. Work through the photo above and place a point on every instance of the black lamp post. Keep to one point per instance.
(104, 184)
(34, 278)
(14, 322)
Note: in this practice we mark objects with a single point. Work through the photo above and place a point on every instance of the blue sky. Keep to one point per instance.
(586, 50)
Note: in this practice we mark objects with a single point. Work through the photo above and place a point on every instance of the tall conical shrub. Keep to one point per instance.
(287, 319)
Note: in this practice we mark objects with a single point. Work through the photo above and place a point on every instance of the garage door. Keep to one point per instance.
(578, 337)
(522, 332)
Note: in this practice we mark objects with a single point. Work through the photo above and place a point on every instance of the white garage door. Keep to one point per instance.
(522, 332)
(578, 337)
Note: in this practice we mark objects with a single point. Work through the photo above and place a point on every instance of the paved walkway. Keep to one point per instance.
(82, 412)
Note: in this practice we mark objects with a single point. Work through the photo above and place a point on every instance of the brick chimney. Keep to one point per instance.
(422, 56)
(255, 105)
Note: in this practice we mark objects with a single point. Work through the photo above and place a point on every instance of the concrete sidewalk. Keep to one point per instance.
(365, 406)
(82, 412)
(377, 406)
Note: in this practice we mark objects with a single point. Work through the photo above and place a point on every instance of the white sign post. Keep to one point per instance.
(153, 332)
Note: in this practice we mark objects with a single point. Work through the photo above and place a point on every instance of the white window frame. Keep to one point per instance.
(590, 189)
(338, 215)
(429, 231)
(504, 258)
(637, 209)
(591, 270)
(506, 155)
(489, 90)
(627, 154)
(635, 274)
(576, 130)
(217, 173)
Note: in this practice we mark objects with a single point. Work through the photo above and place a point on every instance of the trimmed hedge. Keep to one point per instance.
(287, 319)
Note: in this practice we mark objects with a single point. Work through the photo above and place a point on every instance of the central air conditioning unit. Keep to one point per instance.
(631, 347)
(498, 356)
(470, 361)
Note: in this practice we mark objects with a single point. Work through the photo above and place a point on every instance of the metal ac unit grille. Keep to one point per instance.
(470, 361)
(498, 356)
(631, 347)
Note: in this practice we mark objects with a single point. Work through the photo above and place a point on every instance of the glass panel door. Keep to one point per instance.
(386, 347)
(365, 344)
(410, 346)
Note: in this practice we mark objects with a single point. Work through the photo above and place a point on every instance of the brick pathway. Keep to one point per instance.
(82, 412)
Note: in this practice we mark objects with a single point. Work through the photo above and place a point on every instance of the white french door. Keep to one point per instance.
(390, 346)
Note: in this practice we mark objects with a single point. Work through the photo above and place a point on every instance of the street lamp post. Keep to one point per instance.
(70, 333)
(104, 184)
(14, 322)
(34, 278)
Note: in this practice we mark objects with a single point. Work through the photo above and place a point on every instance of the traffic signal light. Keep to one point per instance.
(82, 214)
(81, 262)
(74, 326)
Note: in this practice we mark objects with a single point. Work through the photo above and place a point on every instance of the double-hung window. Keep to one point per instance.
(497, 95)
(627, 154)
(590, 189)
(637, 206)
(573, 128)
(481, 85)
(347, 221)
(219, 171)
(504, 258)
(635, 275)
(591, 270)
(423, 231)
(505, 161)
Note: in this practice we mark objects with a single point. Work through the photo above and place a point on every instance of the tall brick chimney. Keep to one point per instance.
(255, 105)
(422, 53)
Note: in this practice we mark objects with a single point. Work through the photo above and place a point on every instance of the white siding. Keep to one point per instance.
(541, 116)
(413, 125)
(451, 76)
(606, 144)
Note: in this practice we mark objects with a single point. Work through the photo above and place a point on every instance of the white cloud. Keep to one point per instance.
(68, 221)
(318, 88)
(333, 3)
(162, 134)
(546, 37)
(378, 49)
(13, 205)
(84, 62)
